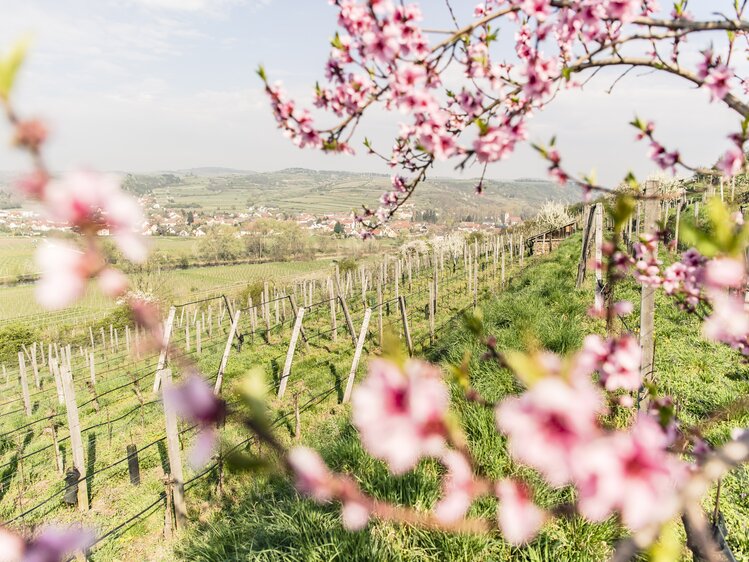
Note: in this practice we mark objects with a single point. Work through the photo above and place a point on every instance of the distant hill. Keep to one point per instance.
(213, 171)
(295, 190)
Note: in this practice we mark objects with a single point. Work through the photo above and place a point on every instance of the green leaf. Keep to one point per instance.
(623, 208)
(460, 373)
(482, 125)
(527, 368)
(631, 180)
(668, 547)
(261, 72)
(9, 66)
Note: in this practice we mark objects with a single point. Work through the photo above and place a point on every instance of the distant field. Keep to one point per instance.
(174, 285)
(17, 252)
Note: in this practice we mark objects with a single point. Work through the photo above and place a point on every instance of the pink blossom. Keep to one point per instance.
(400, 413)
(32, 185)
(90, 200)
(457, 488)
(617, 360)
(729, 321)
(724, 273)
(64, 273)
(355, 515)
(519, 518)
(195, 401)
(624, 10)
(539, 77)
(112, 282)
(11, 546)
(732, 161)
(56, 544)
(546, 424)
(631, 472)
(538, 9)
(312, 475)
(717, 81)
(662, 157)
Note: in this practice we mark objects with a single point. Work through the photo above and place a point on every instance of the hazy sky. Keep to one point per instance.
(145, 85)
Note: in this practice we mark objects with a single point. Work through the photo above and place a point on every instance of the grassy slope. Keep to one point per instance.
(268, 521)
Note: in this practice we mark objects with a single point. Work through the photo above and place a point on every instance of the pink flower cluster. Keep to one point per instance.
(695, 280)
(554, 428)
(617, 360)
(400, 412)
(647, 264)
(715, 76)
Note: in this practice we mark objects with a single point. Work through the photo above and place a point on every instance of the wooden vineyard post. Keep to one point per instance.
(127, 339)
(198, 338)
(24, 384)
(476, 283)
(503, 267)
(35, 367)
(52, 428)
(187, 336)
(227, 350)
(647, 298)
(436, 288)
(92, 367)
(406, 330)
(301, 330)
(333, 304)
(582, 266)
(379, 311)
(175, 460)
(290, 353)
(676, 227)
(164, 349)
(266, 311)
(357, 355)
(91, 337)
(346, 314)
(431, 314)
(599, 257)
(76, 441)
(54, 367)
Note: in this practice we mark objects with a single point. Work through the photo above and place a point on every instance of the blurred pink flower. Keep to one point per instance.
(729, 321)
(631, 472)
(112, 282)
(89, 200)
(717, 81)
(519, 518)
(732, 161)
(457, 488)
(354, 515)
(56, 544)
(616, 360)
(11, 546)
(64, 273)
(724, 273)
(194, 401)
(400, 413)
(312, 475)
(549, 422)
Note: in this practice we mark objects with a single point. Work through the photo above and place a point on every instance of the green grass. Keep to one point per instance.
(318, 376)
(267, 520)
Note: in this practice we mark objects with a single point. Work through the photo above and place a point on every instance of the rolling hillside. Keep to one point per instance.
(296, 190)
